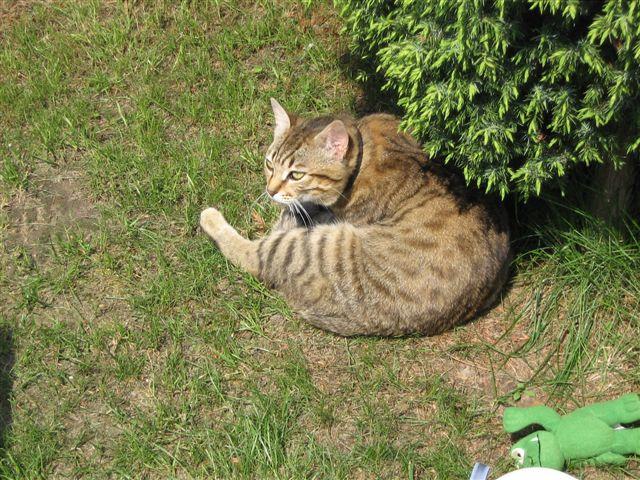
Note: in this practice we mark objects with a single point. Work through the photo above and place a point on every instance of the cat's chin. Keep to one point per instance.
(282, 202)
(298, 201)
(303, 200)
(314, 201)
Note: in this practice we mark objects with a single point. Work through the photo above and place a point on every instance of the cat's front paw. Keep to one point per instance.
(212, 222)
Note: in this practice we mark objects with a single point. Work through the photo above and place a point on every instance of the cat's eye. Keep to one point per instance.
(296, 175)
(268, 163)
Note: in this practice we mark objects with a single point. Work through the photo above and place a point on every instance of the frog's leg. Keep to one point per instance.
(608, 458)
(515, 419)
(627, 441)
(625, 409)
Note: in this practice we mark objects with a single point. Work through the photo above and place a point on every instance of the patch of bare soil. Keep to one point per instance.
(11, 11)
(55, 201)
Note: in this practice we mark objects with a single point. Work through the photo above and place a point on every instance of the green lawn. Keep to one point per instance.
(129, 347)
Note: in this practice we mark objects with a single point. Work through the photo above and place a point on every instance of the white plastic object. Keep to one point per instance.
(536, 473)
(480, 472)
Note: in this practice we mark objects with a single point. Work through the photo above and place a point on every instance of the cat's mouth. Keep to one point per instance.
(282, 199)
(291, 201)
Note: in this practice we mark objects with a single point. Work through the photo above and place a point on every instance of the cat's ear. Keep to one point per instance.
(283, 122)
(334, 139)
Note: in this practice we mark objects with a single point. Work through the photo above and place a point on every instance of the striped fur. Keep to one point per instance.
(402, 247)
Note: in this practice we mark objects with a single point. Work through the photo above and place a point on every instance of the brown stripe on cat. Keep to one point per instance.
(372, 278)
(352, 262)
(320, 258)
(288, 256)
(337, 253)
(261, 265)
(283, 142)
(393, 279)
(288, 155)
(436, 224)
(398, 217)
(304, 264)
(326, 177)
(464, 244)
(292, 158)
(405, 259)
(273, 245)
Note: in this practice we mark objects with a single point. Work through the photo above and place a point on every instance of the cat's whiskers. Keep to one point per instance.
(258, 199)
(299, 214)
(293, 208)
(303, 210)
(290, 207)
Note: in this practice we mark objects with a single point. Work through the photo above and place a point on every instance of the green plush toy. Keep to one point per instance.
(591, 434)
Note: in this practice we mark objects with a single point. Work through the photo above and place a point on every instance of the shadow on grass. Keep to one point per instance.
(7, 360)
(373, 98)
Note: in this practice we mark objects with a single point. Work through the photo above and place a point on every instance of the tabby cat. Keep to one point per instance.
(377, 239)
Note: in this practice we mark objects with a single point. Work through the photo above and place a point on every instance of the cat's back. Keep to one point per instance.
(421, 213)
(378, 125)
(385, 144)
(398, 183)
(395, 165)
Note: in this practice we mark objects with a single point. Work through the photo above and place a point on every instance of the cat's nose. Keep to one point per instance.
(273, 186)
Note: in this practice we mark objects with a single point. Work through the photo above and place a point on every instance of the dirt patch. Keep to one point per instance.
(11, 11)
(55, 201)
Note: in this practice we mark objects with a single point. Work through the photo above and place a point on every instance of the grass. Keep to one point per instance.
(131, 349)
(584, 303)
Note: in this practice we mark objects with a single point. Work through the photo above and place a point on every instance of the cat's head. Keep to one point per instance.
(308, 160)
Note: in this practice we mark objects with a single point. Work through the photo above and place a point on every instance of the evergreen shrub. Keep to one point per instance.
(514, 92)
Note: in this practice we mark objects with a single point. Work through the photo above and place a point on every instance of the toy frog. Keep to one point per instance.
(593, 434)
